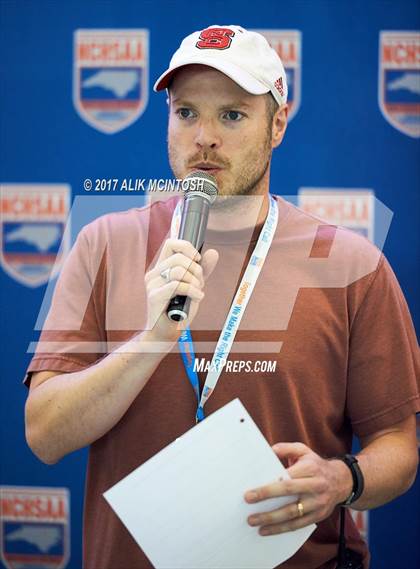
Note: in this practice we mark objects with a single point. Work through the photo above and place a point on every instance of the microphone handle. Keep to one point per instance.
(179, 308)
(193, 229)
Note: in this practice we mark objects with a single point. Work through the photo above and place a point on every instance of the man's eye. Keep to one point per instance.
(185, 113)
(232, 115)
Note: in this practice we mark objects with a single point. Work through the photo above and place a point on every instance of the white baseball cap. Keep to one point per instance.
(246, 57)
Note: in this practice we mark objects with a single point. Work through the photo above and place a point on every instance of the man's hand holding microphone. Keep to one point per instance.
(175, 285)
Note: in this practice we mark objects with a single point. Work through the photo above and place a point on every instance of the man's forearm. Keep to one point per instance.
(73, 410)
(389, 465)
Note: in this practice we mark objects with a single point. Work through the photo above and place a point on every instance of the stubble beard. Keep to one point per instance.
(254, 168)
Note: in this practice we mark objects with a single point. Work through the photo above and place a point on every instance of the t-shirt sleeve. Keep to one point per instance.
(383, 368)
(73, 335)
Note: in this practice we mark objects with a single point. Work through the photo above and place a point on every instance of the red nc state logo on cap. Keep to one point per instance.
(215, 38)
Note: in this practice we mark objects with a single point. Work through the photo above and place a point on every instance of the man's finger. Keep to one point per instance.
(282, 488)
(291, 525)
(173, 246)
(176, 260)
(291, 450)
(209, 262)
(284, 514)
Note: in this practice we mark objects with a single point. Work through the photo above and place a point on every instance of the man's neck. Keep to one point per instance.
(239, 212)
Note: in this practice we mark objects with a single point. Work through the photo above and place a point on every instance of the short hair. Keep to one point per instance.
(271, 106)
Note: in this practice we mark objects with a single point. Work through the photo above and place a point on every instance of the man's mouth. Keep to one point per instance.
(207, 167)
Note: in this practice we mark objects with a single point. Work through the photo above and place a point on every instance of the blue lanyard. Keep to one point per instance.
(188, 357)
(242, 296)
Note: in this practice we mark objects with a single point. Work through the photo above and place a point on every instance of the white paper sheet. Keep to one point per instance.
(185, 506)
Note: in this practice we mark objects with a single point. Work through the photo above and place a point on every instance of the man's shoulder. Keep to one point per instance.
(153, 217)
(331, 251)
(324, 233)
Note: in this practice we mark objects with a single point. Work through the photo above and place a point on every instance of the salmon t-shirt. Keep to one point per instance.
(327, 340)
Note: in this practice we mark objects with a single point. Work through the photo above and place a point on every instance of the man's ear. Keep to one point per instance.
(279, 125)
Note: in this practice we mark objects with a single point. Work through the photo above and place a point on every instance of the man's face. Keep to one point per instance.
(216, 126)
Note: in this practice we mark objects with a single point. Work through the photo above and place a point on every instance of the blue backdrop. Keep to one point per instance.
(338, 138)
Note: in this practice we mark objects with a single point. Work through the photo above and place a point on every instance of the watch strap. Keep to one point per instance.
(358, 480)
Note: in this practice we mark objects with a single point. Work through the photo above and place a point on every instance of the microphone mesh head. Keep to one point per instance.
(200, 182)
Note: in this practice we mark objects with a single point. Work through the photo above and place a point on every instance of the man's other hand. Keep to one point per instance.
(319, 485)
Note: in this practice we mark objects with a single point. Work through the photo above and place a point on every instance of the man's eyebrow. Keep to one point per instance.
(235, 105)
(238, 103)
(179, 100)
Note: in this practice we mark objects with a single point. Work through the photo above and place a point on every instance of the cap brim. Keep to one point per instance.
(244, 79)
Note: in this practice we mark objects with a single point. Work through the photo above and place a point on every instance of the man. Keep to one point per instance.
(326, 307)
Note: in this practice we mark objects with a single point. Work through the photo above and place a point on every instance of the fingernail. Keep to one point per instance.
(264, 531)
(253, 520)
(251, 496)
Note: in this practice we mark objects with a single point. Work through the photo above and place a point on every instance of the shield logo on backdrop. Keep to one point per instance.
(33, 240)
(34, 527)
(399, 80)
(110, 77)
(287, 44)
(353, 208)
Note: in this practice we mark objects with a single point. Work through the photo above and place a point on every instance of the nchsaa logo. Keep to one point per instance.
(399, 80)
(110, 77)
(34, 236)
(287, 43)
(35, 527)
(353, 208)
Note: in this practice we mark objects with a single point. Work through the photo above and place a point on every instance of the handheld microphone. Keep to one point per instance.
(200, 194)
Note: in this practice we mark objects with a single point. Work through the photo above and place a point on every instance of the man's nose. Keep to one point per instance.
(207, 135)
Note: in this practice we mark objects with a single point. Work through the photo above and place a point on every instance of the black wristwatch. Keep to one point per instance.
(358, 480)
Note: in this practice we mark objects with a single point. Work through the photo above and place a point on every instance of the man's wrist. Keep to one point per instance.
(146, 342)
(153, 338)
(344, 480)
(358, 480)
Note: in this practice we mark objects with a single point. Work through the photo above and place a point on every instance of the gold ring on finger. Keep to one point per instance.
(300, 509)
